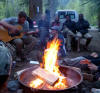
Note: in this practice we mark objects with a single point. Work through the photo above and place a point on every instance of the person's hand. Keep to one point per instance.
(86, 61)
(92, 67)
(14, 30)
(94, 54)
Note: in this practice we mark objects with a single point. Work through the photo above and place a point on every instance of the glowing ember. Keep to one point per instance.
(36, 83)
(50, 63)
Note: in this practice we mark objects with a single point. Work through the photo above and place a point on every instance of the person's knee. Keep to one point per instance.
(88, 36)
(78, 36)
(19, 43)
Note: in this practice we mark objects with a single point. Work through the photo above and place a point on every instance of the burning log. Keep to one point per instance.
(49, 77)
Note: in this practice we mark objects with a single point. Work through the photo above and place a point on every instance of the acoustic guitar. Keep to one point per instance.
(7, 36)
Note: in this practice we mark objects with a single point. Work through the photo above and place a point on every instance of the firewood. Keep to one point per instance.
(49, 77)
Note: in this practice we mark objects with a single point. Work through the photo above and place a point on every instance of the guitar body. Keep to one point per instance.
(5, 36)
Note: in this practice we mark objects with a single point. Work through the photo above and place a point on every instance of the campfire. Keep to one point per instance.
(48, 75)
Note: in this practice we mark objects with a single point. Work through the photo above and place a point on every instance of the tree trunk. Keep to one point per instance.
(99, 19)
(35, 8)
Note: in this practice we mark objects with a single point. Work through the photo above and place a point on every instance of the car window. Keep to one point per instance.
(61, 15)
(71, 14)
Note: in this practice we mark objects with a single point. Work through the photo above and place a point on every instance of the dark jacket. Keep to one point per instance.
(71, 25)
(82, 26)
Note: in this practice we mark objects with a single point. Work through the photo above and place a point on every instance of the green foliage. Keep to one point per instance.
(10, 8)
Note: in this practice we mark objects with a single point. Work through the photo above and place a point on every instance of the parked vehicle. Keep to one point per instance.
(62, 14)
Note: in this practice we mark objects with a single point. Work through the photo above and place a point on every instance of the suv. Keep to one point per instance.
(62, 15)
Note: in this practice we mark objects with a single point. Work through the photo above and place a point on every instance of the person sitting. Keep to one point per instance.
(69, 32)
(56, 22)
(56, 33)
(9, 23)
(82, 31)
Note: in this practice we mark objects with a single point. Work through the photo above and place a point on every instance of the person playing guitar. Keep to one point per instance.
(13, 31)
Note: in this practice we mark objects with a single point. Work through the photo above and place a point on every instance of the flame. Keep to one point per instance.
(50, 64)
(36, 83)
(50, 55)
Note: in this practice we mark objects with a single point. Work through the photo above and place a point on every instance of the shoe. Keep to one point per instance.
(86, 48)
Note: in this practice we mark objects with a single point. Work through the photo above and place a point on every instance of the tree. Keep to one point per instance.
(96, 4)
(35, 8)
(12, 7)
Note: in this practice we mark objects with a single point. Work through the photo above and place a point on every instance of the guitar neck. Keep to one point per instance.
(30, 32)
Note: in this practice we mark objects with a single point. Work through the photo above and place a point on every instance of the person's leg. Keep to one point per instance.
(19, 46)
(78, 37)
(30, 45)
(89, 38)
(30, 42)
(69, 36)
(73, 43)
(88, 41)
(68, 40)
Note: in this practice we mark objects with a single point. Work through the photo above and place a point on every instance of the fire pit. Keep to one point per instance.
(73, 77)
(50, 77)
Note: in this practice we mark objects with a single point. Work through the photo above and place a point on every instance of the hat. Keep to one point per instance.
(55, 28)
